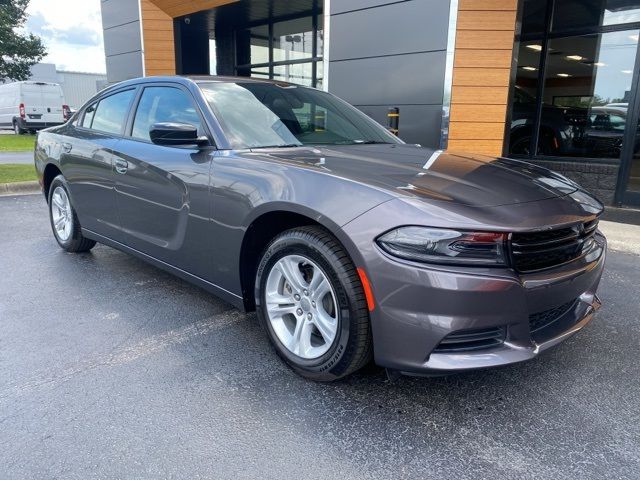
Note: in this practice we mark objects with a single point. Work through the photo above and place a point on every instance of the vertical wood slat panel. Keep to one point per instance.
(177, 8)
(482, 61)
(158, 43)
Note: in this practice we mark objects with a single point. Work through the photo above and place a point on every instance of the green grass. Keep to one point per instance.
(14, 172)
(16, 143)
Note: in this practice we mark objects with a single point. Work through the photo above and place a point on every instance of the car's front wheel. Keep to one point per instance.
(311, 303)
(64, 221)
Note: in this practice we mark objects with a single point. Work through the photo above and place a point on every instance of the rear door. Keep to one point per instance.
(52, 103)
(88, 159)
(42, 103)
(163, 192)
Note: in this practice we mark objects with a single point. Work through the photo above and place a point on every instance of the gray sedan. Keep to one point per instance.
(351, 245)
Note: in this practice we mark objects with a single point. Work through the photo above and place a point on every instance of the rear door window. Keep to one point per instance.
(164, 104)
(112, 111)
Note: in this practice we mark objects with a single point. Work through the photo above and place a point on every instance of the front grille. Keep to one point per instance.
(531, 251)
(466, 340)
(541, 320)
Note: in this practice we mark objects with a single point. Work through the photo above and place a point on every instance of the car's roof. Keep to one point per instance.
(223, 78)
(186, 79)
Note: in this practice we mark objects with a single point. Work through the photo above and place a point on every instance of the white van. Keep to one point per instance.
(30, 106)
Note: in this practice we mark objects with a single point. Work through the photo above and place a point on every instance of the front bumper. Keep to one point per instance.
(417, 306)
(515, 351)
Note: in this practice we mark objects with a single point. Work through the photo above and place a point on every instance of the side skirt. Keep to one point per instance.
(227, 296)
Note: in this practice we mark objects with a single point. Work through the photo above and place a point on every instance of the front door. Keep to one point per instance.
(162, 192)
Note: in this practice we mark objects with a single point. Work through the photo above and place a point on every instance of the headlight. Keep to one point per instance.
(436, 245)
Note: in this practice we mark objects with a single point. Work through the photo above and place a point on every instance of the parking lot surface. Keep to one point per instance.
(111, 368)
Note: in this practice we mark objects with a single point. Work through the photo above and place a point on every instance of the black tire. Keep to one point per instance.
(352, 347)
(17, 129)
(76, 243)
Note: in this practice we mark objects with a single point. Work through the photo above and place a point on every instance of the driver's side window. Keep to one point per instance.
(163, 104)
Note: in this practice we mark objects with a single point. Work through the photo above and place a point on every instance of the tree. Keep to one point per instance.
(18, 51)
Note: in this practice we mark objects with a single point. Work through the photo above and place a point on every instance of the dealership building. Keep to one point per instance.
(554, 82)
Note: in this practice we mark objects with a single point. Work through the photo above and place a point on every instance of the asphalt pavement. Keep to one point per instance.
(16, 157)
(111, 368)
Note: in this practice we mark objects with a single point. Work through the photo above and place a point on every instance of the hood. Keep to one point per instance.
(413, 171)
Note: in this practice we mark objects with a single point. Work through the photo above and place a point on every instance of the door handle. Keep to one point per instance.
(121, 166)
(66, 147)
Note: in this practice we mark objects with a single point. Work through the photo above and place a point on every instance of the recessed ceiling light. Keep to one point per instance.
(536, 47)
(577, 58)
(530, 69)
(628, 72)
(634, 37)
(564, 75)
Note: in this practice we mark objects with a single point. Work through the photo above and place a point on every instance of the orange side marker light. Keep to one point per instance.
(367, 288)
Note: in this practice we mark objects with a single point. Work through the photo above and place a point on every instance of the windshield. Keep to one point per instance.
(255, 115)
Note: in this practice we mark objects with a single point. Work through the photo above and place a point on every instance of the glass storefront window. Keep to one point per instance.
(586, 94)
(523, 108)
(292, 53)
(574, 95)
(574, 14)
(256, 72)
(320, 74)
(258, 40)
(293, 40)
(300, 73)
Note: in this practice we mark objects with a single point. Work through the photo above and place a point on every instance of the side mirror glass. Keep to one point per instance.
(176, 134)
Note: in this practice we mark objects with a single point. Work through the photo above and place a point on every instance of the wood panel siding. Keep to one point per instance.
(157, 40)
(177, 8)
(157, 31)
(468, 77)
(481, 71)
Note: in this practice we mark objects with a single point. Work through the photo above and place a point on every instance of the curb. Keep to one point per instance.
(19, 188)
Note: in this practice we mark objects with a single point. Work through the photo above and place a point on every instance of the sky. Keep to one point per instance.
(71, 31)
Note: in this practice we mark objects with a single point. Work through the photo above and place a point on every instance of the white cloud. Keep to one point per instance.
(71, 31)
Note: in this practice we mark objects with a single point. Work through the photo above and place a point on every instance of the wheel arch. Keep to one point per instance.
(266, 224)
(50, 172)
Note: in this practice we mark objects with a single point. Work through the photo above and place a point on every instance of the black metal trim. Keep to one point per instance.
(515, 58)
(577, 32)
(280, 63)
(542, 70)
(628, 139)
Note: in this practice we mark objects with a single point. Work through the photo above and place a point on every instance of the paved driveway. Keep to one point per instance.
(110, 368)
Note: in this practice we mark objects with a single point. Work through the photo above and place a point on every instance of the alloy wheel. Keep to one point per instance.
(301, 306)
(61, 214)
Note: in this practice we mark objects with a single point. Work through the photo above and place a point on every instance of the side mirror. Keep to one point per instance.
(176, 134)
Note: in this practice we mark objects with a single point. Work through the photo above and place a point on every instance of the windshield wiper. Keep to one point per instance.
(371, 142)
(283, 145)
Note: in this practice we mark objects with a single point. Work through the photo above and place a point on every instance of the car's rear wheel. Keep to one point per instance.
(17, 130)
(64, 221)
(312, 305)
